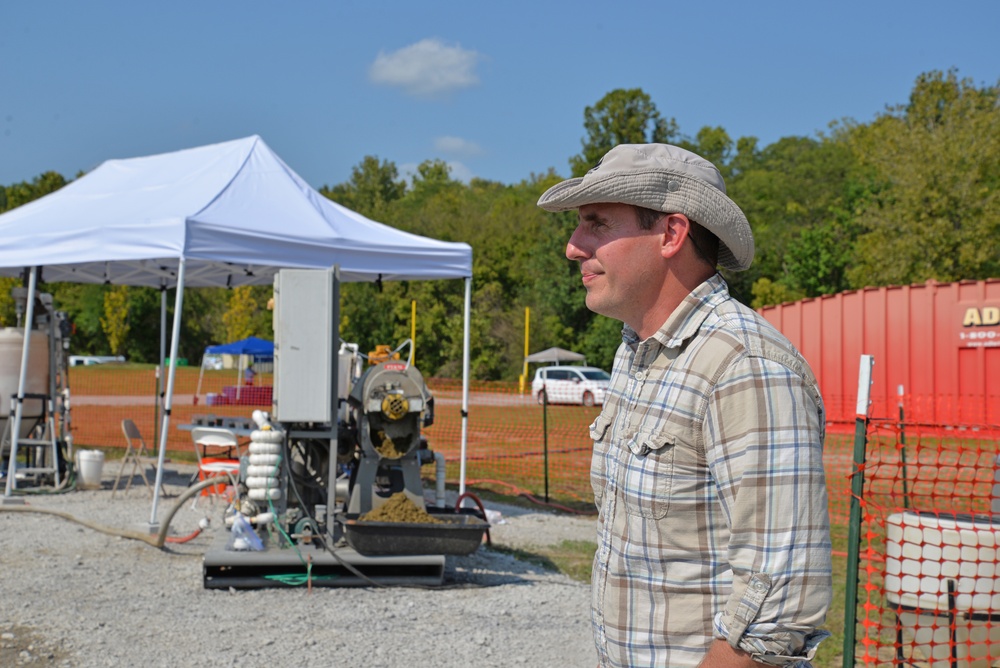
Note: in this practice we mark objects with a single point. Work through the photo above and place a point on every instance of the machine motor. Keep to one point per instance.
(391, 405)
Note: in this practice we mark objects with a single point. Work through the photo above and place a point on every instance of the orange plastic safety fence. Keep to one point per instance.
(101, 396)
(838, 451)
(929, 580)
(929, 408)
(514, 444)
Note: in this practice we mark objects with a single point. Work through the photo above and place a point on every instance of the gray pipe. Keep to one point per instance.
(439, 473)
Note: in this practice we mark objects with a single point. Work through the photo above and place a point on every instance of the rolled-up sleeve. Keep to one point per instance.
(763, 435)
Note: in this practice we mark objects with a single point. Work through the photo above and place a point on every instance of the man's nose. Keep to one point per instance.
(575, 247)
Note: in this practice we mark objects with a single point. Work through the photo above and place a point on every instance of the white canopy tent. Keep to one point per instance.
(555, 356)
(222, 215)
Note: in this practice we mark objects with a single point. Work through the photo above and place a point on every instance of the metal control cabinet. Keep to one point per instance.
(306, 310)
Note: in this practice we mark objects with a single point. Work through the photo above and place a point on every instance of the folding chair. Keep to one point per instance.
(135, 455)
(214, 447)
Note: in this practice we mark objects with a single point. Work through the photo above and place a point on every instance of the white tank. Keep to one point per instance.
(11, 344)
(925, 552)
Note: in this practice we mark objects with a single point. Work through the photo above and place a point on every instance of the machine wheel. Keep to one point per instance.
(588, 399)
(541, 397)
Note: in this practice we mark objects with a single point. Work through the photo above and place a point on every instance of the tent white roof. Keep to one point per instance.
(555, 355)
(234, 211)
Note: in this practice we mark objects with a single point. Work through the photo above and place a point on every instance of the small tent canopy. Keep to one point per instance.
(555, 356)
(222, 215)
(257, 349)
(260, 349)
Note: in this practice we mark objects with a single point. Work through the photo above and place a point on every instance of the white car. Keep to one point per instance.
(584, 385)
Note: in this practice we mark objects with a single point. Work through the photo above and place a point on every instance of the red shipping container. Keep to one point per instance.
(936, 348)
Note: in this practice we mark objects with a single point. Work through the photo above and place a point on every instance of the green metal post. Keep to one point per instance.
(854, 528)
(545, 439)
(854, 541)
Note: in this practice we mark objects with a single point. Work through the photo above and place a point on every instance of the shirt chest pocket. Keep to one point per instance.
(599, 463)
(645, 468)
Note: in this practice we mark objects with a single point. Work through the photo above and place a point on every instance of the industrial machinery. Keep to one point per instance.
(41, 450)
(331, 489)
(390, 404)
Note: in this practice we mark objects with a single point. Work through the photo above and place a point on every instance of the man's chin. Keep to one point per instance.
(596, 305)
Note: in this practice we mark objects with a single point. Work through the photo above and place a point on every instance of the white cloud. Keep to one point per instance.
(426, 68)
(457, 146)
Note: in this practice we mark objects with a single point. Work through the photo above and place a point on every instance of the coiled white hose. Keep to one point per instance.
(264, 464)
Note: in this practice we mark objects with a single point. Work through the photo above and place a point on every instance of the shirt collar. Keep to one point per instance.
(686, 319)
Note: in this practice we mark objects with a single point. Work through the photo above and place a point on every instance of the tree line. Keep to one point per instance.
(910, 196)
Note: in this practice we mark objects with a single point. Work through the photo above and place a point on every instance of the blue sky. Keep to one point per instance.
(496, 89)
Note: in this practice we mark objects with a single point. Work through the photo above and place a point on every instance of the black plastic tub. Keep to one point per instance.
(458, 533)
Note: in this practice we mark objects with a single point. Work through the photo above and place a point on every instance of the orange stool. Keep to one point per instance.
(214, 467)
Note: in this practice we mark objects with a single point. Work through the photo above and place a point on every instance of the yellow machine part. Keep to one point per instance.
(395, 406)
(381, 353)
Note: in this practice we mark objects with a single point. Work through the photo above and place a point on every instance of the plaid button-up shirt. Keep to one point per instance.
(708, 475)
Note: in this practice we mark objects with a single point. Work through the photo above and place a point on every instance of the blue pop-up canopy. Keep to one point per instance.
(257, 349)
(261, 349)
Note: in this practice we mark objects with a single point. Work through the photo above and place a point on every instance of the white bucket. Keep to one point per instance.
(925, 553)
(89, 464)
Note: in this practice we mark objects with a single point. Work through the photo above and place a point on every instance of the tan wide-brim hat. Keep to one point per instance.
(664, 178)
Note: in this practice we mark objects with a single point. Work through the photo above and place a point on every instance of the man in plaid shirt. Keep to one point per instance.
(714, 536)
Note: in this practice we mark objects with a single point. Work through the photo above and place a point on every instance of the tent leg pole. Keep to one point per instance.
(22, 381)
(331, 476)
(168, 399)
(160, 375)
(465, 382)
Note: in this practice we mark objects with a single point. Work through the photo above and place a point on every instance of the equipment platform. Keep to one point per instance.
(273, 567)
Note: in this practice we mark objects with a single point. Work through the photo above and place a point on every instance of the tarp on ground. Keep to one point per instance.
(555, 356)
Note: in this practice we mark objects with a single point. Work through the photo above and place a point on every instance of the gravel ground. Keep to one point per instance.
(74, 596)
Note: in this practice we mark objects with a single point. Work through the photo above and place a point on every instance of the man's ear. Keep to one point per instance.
(676, 227)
